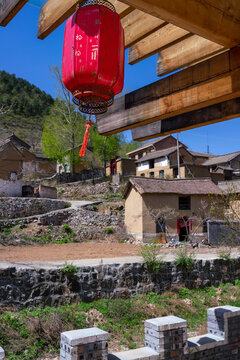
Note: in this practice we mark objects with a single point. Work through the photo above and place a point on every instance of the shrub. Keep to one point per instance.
(109, 231)
(69, 269)
(226, 254)
(150, 254)
(68, 230)
(183, 258)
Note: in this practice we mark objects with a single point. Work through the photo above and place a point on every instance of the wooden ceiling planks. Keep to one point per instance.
(55, 12)
(166, 36)
(185, 53)
(214, 20)
(207, 83)
(9, 9)
(138, 25)
(212, 114)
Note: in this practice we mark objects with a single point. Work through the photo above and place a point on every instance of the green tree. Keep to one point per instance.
(64, 127)
(126, 147)
(105, 147)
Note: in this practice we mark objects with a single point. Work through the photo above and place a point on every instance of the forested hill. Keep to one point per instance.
(28, 106)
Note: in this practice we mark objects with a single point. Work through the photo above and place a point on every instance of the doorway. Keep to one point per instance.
(183, 228)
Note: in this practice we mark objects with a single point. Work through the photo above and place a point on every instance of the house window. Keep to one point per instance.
(161, 174)
(151, 164)
(140, 155)
(161, 225)
(175, 172)
(151, 174)
(142, 174)
(184, 203)
(133, 157)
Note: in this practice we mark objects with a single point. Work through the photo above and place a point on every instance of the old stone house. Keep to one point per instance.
(158, 159)
(121, 166)
(173, 208)
(11, 162)
(163, 142)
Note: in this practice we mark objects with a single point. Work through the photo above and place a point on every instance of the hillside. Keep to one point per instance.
(28, 106)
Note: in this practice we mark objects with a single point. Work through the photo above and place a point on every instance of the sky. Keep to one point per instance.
(22, 54)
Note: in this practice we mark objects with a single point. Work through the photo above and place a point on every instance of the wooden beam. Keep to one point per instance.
(210, 82)
(226, 110)
(55, 12)
(186, 52)
(9, 9)
(152, 44)
(218, 21)
(138, 25)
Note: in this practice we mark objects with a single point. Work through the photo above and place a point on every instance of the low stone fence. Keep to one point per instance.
(223, 233)
(165, 339)
(14, 207)
(26, 287)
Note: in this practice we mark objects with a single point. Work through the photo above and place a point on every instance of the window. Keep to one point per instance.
(175, 172)
(184, 203)
(151, 164)
(161, 225)
(142, 174)
(133, 157)
(140, 155)
(151, 174)
(161, 174)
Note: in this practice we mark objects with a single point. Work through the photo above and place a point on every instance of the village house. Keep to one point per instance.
(167, 209)
(11, 163)
(159, 159)
(33, 164)
(121, 166)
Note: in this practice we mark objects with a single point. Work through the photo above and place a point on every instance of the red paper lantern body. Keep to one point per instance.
(93, 57)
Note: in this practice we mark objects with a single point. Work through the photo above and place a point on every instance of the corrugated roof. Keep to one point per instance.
(158, 154)
(147, 144)
(178, 186)
(220, 159)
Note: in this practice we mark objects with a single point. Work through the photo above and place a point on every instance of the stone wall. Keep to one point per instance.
(23, 287)
(12, 207)
(10, 188)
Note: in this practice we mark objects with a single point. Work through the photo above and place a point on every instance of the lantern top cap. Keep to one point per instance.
(105, 3)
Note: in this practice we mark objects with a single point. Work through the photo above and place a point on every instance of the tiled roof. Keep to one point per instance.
(221, 159)
(178, 186)
(158, 154)
(195, 153)
(229, 186)
(147, 144)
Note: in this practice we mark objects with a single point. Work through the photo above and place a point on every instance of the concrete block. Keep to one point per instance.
(83, 336)
(165, 323)
(144, 353)
(2, 354)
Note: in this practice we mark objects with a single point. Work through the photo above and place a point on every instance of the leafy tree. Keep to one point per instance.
(105, 147)
(126, 147)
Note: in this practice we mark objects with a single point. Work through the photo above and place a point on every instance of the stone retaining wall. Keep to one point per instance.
(14, 207)
(26, 287)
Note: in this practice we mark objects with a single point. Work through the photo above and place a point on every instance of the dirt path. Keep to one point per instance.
(80, 251)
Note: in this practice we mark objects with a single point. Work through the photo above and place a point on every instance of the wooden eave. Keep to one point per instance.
(182, 32)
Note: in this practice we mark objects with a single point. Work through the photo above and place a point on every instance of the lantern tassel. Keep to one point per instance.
(85, 139)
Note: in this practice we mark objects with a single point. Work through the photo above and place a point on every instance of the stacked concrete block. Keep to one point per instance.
(216, 319)
(85, 344)
(2, 353)
(166, 335)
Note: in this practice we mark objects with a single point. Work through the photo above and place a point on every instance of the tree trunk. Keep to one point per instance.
(104, 155)
(73, 160)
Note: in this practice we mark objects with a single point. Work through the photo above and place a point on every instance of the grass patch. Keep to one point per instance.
(28, 334)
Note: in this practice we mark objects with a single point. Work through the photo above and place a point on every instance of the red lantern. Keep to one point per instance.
(93, 56)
